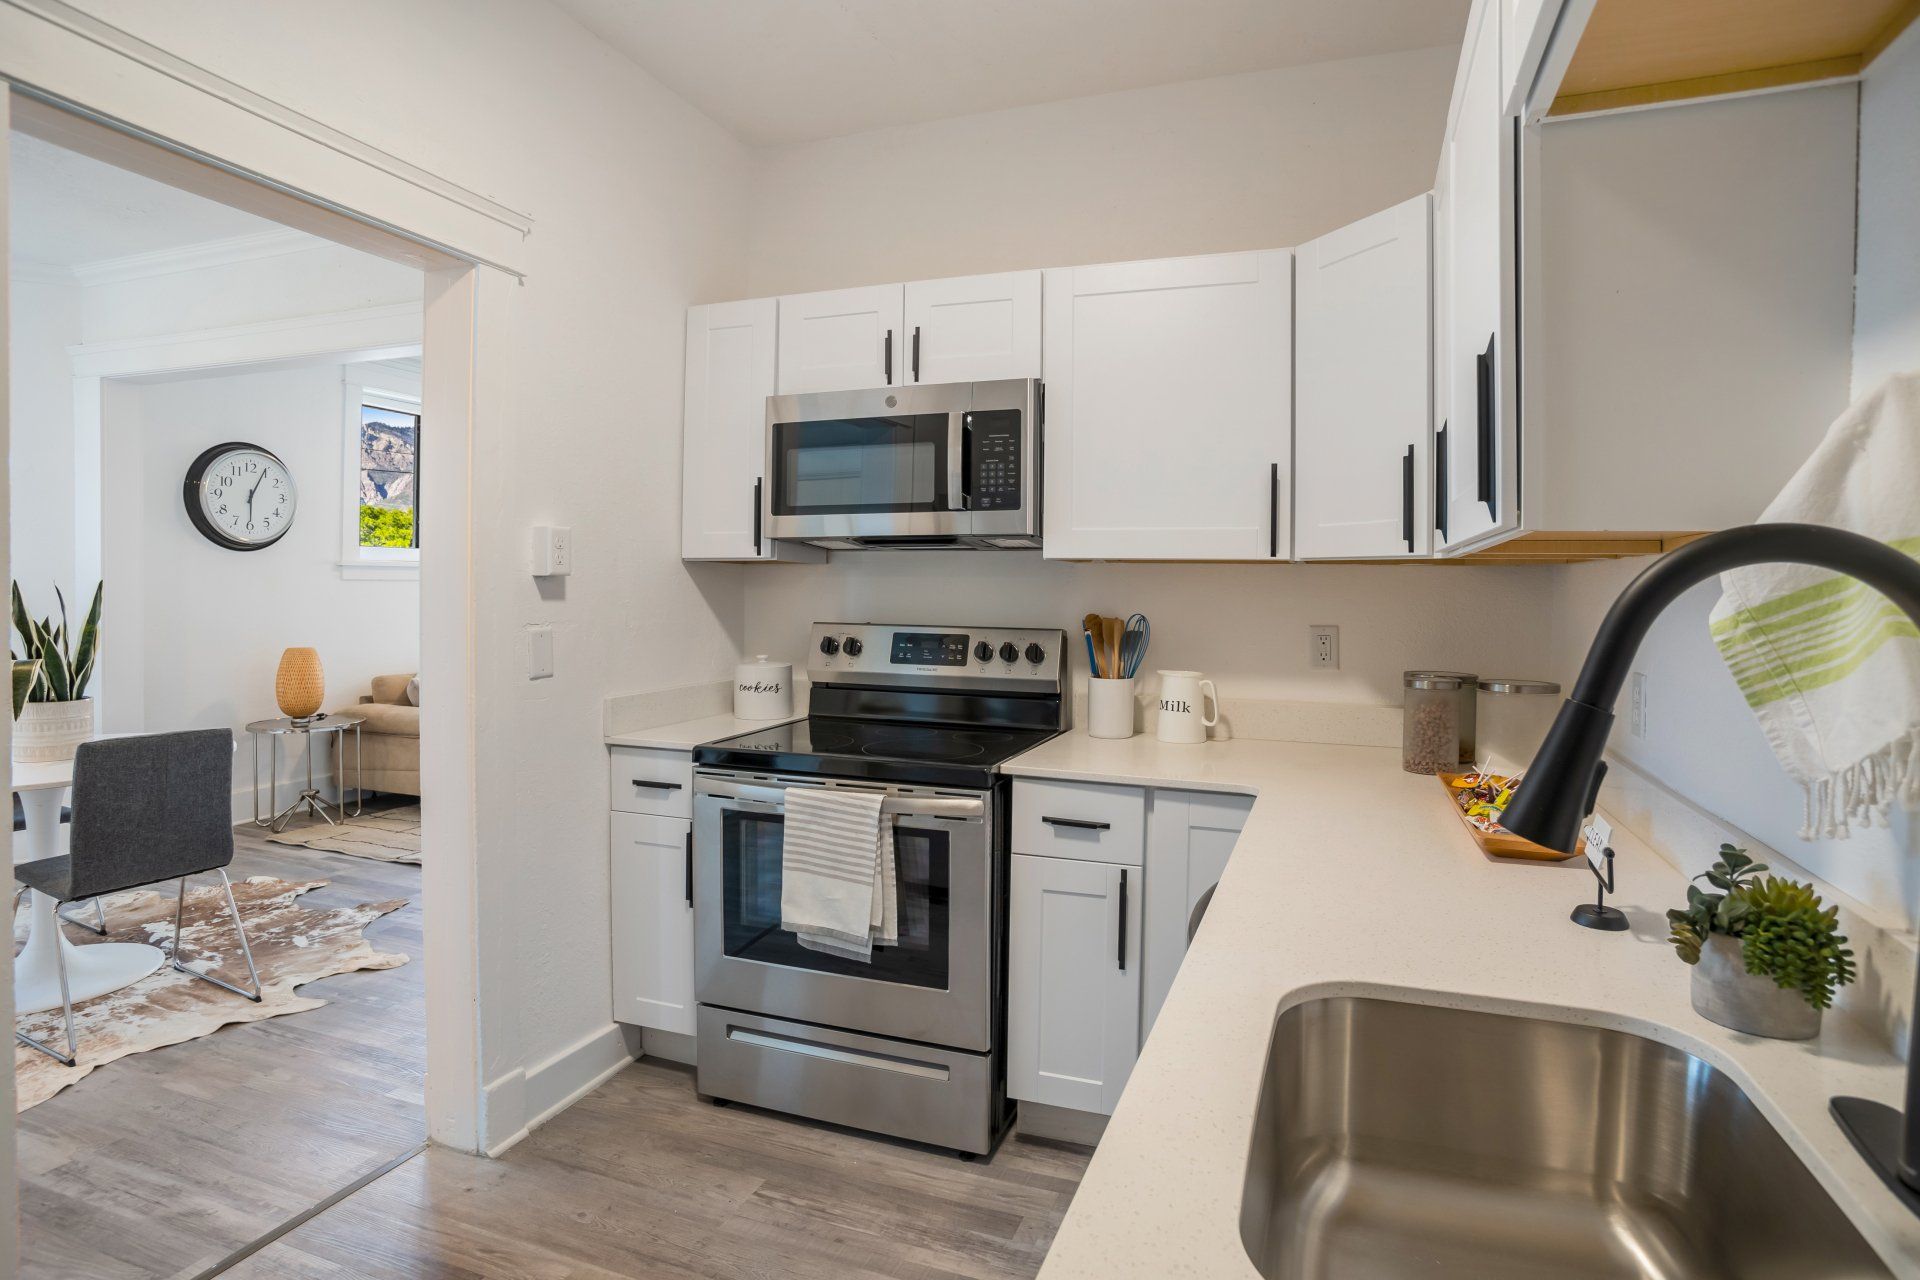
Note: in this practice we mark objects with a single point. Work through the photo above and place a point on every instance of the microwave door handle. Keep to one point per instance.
(959, 457)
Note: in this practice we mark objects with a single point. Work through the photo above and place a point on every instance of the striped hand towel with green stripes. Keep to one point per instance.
(1830, 668)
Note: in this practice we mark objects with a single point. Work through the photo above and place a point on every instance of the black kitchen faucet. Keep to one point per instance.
(1559, 787)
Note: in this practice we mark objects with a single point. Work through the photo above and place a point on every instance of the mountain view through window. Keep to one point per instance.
(388, 480)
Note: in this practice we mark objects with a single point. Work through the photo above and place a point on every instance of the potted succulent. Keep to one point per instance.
(52, 713)
(1766, 957)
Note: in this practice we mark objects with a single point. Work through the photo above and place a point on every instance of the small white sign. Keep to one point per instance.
(1597, 834)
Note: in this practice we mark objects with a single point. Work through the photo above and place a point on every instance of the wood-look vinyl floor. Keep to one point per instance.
(163, 1163)
(642, 1179)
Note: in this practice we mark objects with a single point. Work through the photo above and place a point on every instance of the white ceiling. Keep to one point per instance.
(68, 210)
(777, 71)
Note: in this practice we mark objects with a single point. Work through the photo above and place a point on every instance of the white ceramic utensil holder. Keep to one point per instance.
(1109, 708)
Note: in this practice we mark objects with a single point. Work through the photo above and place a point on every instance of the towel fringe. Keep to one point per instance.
(1864, 791)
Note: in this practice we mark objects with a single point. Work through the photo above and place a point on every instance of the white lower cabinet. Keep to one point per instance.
(1190, 835)
(1073, 982)
(652, 890)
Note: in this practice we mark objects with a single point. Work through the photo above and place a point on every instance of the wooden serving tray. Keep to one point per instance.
(1497, 844)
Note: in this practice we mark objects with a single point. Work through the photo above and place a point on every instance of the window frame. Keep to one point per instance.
(356, 561)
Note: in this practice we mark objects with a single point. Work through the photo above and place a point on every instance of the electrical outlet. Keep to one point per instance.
(552, 551)
(1323, 647)
(1637, 704)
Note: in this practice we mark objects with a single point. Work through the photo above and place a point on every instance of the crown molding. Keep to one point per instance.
(379, 332)
(21, 271)
(195, 257)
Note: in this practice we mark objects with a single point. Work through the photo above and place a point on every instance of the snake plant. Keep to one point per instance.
(65, 663)
(1783, 931)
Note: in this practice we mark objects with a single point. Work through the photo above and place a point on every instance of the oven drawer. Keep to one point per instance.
(651, 780)
(1083, 820)
(913, 1091)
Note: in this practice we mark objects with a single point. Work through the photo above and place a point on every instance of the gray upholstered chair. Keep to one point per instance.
(99, 922)
(145, 809)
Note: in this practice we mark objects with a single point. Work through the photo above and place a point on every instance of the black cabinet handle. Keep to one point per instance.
(1406, 498)
(1273, 512)
(916, 353)
(1078, 824)
(756, 517)
(1442, 500)
(1484, 479)
(689, 866)
(1123, 919)
(887, 358)
(657, 786)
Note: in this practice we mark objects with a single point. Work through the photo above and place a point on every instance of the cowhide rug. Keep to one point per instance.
(389, 836)
(292, 946)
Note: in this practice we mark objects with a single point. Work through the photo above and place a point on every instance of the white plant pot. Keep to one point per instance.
(51, 730)
(1724, 992)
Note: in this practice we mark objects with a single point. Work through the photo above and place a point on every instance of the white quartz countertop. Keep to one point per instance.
(685, 735)
(1353, 877)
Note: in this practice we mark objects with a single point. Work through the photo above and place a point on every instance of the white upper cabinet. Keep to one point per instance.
(842, 340)
(1476, 450)
(1169, 408)
(729, 375)
(1362, 413)
(974, 328)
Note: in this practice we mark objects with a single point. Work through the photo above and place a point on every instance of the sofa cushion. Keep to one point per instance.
(391, 690)
(382, 717)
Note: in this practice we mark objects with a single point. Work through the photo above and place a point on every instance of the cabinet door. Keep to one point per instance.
(974, 328)
(1476, 455)
(841, 340)
(1362, 342)
(652, 882)
(1073, 983)
(1190, 835)
(729, 376)
(1169, 423)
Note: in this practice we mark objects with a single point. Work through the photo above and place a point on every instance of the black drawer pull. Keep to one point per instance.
(689, 866)
(1406, 498)
(1078, 824)
(657, 786)
(1273, 512)
(1123, 919)
(756, 517)
(1442, 499)
(1483, 477)
(916, 353)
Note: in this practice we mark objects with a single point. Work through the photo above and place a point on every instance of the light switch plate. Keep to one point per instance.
(540, 653)
(1323, 647)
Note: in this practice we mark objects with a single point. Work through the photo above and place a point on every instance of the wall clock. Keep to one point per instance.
(240, 496)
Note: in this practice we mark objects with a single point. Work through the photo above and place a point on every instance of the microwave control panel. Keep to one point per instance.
(993, 460)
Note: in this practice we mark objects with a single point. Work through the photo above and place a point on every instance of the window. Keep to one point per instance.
(381, 509)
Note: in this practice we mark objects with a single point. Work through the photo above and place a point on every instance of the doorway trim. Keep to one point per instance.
(85, 85)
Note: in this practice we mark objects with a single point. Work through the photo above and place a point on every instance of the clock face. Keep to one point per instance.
(240, 496)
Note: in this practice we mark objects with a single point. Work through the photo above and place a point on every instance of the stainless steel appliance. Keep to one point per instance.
(912, 1043)
(949, 464)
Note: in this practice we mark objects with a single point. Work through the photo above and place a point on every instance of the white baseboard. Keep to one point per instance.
(543, 1090)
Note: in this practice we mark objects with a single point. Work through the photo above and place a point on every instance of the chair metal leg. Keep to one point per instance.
(99, 915)
(72, 1055)
(179, 914)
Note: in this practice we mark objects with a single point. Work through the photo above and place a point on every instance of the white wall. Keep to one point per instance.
(212, 623)
(1240, 162)
(1252, 161)
(1887, 298)
(46, 319)
(638, 205)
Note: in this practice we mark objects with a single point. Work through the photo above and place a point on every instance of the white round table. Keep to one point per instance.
(92, 970)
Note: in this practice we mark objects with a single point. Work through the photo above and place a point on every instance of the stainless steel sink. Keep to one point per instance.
(1399, 1139)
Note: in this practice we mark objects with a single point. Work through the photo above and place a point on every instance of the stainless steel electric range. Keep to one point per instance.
(913, 1042)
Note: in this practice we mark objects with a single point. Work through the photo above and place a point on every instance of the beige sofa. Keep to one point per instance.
(390, 737)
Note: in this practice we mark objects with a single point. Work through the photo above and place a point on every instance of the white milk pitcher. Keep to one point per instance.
(1183, 699)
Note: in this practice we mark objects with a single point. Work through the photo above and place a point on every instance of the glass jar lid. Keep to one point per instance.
(1493, 685)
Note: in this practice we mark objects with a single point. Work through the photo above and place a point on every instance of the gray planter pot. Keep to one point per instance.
(1724, 992)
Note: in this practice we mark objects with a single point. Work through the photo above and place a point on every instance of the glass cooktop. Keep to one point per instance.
(933, 753)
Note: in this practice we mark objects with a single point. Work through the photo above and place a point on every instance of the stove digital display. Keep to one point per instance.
(928, 649)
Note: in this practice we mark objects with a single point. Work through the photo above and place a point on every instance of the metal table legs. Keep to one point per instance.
(310, 799)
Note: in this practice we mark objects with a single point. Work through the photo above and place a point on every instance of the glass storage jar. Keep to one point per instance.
(1436, 736)
(1515, 716)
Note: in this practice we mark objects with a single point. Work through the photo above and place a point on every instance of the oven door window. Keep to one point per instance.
(850, 466)
(751, 890)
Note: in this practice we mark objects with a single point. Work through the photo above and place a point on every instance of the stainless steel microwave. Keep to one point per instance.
(952, 464)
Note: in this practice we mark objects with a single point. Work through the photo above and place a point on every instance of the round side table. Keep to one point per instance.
(310, 798)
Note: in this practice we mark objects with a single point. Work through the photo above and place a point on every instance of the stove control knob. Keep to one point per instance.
(983, 651)
(853, 646)
(1009, 651)
(1036, 655)
(829, 645)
